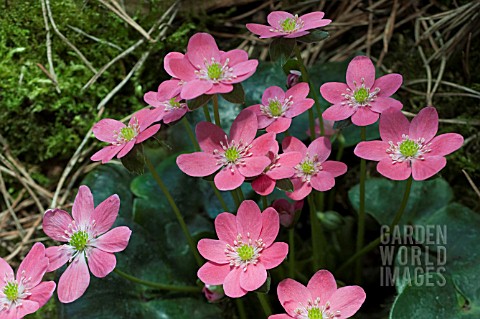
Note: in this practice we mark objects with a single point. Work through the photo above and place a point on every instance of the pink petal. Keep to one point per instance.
(166, 61)
(27, 307)
(243, 71)
(209, 136)
(253, 278)
(151, 99)
(248, 219)
(314, 20)
(198, 164)
(105, 129)
(182, 69)
(213, 250)
(114, 240)
(262, 30)
(195, 88)
(360, 68)
(292, 292)
(445, 144)
(263, 144)
(226, 227)
(332, 92)
(297, 34)
(100, 262)
(397, 171)
(274, 255)
(287, 162)
(126, 149)
(273, 92)
(372, 150)
(74, 281)
(322, 285)
(149, 132)
(425, 124)
(299, 108)
(280, 316)
(347, 300)
(226, 180)
(55, 223)
(42, 293)
(174, 115)
(270, 226)
(381, 104)
(144, 118)
(300, 189)
(263, 185)
(231, 284)
(393, 124)
(275, 18)
(34, 265)
(201, 47)
(167, 90)
(335, 168)
(220, 88)
(83, 206)
(254, 166)
(293, 144)
(320, 147)
(58, 256)
(234, 56)
(213, 274)
(322, 181)
(431, 165)
(338, 112)
(364, 116)
(105, 214)
(244, 127)
(106, 154)
(263, 120)
(280, 125)
(5, 271)
(388, 84)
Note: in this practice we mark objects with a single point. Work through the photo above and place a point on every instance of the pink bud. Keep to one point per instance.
(287, 211)
(213, 293)
(293, 78)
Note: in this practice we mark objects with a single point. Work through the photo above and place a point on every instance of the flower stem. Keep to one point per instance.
(313, 93)
(157, 285)
(265, 304)
(241, 308)
(235, 198)
(240, 194)
(264, 202)
(361, 210)
(175, 209)
(317, 240)
(374, 243)
(215, 110)
(291, 253)
(208, 118)
(219, 196)
(190, 133)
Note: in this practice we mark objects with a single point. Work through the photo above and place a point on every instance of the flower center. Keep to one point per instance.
(408, 148)
(214, 71)
(79, 240)
(288, 24)
(11, 291)
(361, 95)
(232, 154)
(313, 310)
(308, 167)
(276, 107)
(245, 252)
(128, 133)
(315, 313)
(174, 103)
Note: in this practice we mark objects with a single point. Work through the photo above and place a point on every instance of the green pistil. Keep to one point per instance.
(214, 71)
(308, 167)
(128, 133)
(361, 95)
(245, 252)
(289, 24)
(11, 291)
(315, 313)
(173, 103)
(275, 108)
(408, 148)
(232, 154)
(79, 240)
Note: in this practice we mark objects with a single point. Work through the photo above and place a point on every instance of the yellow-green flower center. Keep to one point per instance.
(11, 291)
(79, 240)
(275, 108)
(289, 24)
(308, 167)
(408, 148)
(315, 313)
(361, 95)
(214, 71)
(245, 252)
(128, 133)
(173, 103)
(232, 154)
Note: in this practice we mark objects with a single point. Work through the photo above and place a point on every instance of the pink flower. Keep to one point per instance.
(168, 105)
(213, 293)
(293, 78)
(204, 69)
(320, 299)
(87, 237)
(287, 25)
(327, 128)
(245, 250)
(122, 138)
(363, 98)
(409, 148)
(239, 155)
(278, 107)
(25, 293)
(313, 171)
(287, 211)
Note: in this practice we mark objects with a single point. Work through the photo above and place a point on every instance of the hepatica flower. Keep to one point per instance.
(278, 107)
(320, 299)
(409, 148)
(287, 211)
(363, 98)
(313, 171)
(287, 25)
(122, 138)
(237, 156)
(328, 128)
(245, 249)
(25, 293)
(88, 238)
(204, 69)
(169, 107)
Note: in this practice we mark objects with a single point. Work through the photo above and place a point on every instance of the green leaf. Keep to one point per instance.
(237, 95)
(291, 64)
(314, 36)
(281, 48)
(340, 125)
(134, 161)
(284, 185)
(198, 101)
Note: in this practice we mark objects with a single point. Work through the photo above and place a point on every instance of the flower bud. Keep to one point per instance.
(287, 211)
(293, 78)
(213, 293)
(331, 220)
